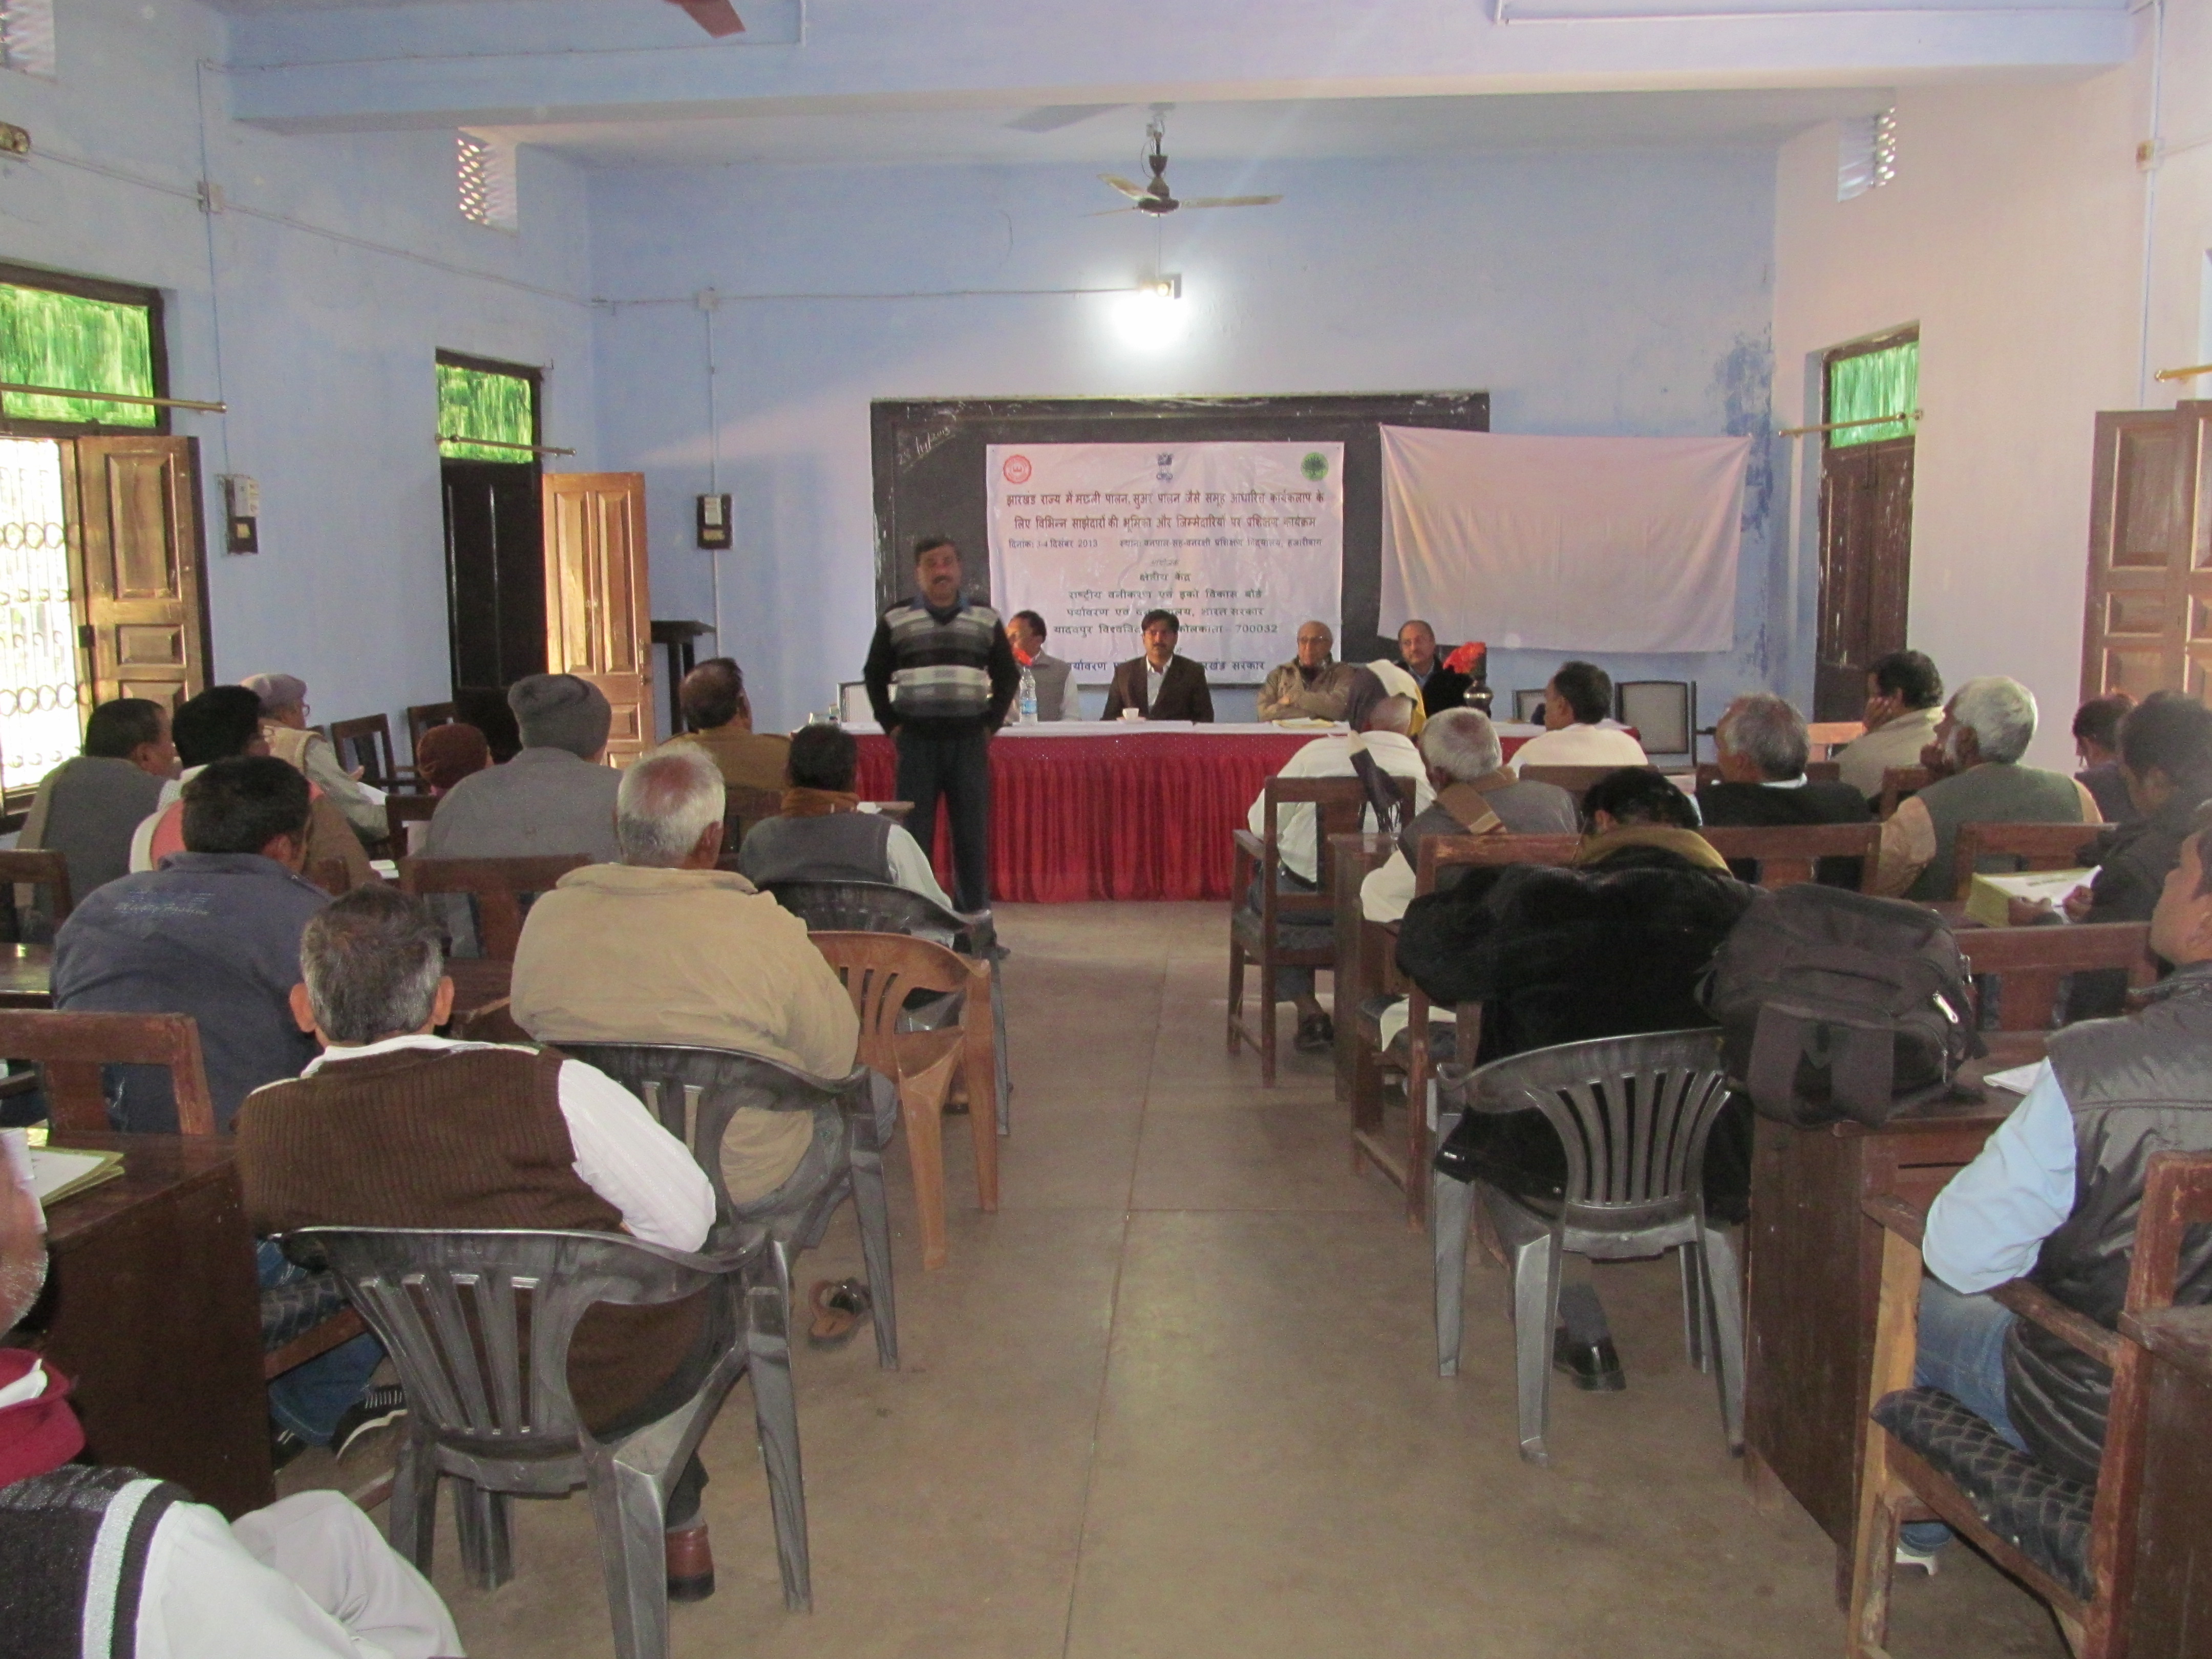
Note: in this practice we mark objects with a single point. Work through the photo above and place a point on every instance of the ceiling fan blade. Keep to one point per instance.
(718, 17)
(1135, 192)
(1051, 117)
(1109, 213)
(1230, 201)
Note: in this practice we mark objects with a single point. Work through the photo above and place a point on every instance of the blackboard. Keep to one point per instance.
(928, 460)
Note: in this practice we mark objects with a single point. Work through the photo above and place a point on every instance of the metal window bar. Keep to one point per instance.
(39, 690)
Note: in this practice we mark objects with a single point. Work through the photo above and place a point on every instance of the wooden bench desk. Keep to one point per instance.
(27, 976)
(2171, 1614)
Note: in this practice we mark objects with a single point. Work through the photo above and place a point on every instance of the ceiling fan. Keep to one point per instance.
(1156, 198)
(718, 17)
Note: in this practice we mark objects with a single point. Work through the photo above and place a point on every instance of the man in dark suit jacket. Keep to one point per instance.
(1762, 747)
(1181, 692)
(1441, 688)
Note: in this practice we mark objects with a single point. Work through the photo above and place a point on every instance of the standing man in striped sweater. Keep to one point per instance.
(941, 678)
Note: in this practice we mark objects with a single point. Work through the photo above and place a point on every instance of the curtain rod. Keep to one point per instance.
(114, 397)
(494, 443)
(2189, 374)
(1838, 426)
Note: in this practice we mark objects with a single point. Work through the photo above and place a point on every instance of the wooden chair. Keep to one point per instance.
(422, 717)
(2024, 845)
(1820, 771)
(1926, 1457)
(1572, 779)
(1406, 1166)
(1829, 736)
(880, 970)
(1899, 784)
(744, 807)
(499, 887)
(2031, 963)
(367, 743)
(1289, 929)
(399, 811)
(44, 869)
(1789, 853)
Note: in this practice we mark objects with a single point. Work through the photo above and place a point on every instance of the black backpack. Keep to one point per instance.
(1834, 1004)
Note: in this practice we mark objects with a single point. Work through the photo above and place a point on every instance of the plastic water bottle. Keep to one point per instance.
(1028, 713)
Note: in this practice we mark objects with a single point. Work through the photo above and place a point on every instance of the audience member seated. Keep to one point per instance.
(1983, 732)
(392, 1127)
(1378, 726)
(554, 797)
(87, 808)
(284, 723)
(1397, 682)
(1025, 632)
(449, 753)
(222, 723)
(1905, 698)
(663, 947)
(214, 932)
(1159, 684)
(823, 835)
(1763, 749)
(2054, 1197)
(1314, 687)
(1476, 794)
(2097, 741)
(309, 1575)
(2165, 746)
(1579, 729)
(720, 717)
(1442, 685)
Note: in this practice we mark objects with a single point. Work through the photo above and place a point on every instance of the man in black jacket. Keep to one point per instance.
(1441, 688)
(1160, 685)
(941, 676)
(1763, 749)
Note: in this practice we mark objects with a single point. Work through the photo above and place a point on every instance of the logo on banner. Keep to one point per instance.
(1314, 466)
(1017, 469)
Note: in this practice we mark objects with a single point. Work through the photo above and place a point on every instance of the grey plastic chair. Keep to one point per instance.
(1634, 1114)
(478, 1322)
(694, 1091)
(876, 907)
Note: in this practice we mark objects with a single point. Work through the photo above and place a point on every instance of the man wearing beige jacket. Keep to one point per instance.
(663, 947)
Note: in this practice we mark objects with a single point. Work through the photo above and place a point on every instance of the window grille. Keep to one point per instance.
(48, 337)
(27, 36)
(1866, 155)
(38, 722)
(485, 169)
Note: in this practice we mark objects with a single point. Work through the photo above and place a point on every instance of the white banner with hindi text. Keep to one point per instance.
(1242, 540)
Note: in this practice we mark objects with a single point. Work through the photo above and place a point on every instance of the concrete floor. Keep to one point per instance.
(1179, 1397)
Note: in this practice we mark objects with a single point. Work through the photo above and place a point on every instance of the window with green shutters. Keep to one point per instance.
(479, 410)
(49, 338)
(1872, 384)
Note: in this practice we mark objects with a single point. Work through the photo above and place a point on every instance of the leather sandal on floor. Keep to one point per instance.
(1316, 1033)
(840, 1305)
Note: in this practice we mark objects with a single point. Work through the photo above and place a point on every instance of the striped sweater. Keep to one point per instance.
(941, 676)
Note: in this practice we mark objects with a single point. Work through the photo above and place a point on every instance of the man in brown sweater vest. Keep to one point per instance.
(392, 1127)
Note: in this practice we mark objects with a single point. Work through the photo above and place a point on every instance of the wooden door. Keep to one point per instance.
(597, 614)
(2146, 624)
(495, 573)
(1866, 568)
(139, 546)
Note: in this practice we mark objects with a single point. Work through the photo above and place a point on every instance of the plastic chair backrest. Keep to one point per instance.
(1633, 1113)
(479, 1321)
(497, 885)
(870, 907)
(881, 971)
(74, 1047)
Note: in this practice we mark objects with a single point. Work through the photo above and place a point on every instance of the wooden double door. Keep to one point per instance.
(1866, 568)
(2146, 624)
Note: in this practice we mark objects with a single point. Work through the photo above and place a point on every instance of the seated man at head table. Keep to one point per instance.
(1442, 685)
(1378, 735)
(222, 722)
(1160, 685)
(87, 808)
(1904, 701)
(1764, 747)
(663, 947)
(1025, 632)
(1985, 728)
(2097, 743)
(393, 1126)
(291, 740)
(2054, 1197)
(1579, 729)
(106, 1560)
(1312, 687)
(823, 836)
(720, 717)
(1476, 794)
(554, 797)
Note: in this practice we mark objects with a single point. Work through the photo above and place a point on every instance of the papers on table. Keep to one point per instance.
(57, 1174)
(371, 794)
(2019, 1079)
(1990, 900)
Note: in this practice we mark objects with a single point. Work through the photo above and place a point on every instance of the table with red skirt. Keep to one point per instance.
(1089, 810)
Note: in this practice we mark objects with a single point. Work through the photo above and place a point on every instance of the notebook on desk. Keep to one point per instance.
(57, 1174)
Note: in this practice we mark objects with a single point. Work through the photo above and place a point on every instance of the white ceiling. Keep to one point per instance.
(1255, 131)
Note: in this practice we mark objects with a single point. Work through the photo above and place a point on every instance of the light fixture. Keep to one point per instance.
(1165, 288)
(1151, 318)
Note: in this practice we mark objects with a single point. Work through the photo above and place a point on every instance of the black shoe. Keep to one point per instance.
(1316, 1035)
(1594, 1365)
(284, 1447)
(376, 1408)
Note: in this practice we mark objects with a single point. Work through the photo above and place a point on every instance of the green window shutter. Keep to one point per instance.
(473, 404)
(1873, 384)
(50, 338)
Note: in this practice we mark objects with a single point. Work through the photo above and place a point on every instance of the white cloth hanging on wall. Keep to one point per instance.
(1563, 543)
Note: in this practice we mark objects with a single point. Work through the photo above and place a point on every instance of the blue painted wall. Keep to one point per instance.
(1589, 293)
(326, 345)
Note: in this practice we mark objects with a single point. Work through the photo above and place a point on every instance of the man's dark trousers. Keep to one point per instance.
(958, 769)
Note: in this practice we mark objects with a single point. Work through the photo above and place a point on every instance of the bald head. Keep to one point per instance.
(668, 814)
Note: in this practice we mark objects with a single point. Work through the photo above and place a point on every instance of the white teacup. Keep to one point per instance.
(1133, 714)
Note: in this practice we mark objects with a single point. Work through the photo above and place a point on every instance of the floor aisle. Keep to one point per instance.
(1178, 1398)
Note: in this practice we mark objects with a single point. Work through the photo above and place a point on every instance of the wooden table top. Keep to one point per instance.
(152, 1166)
